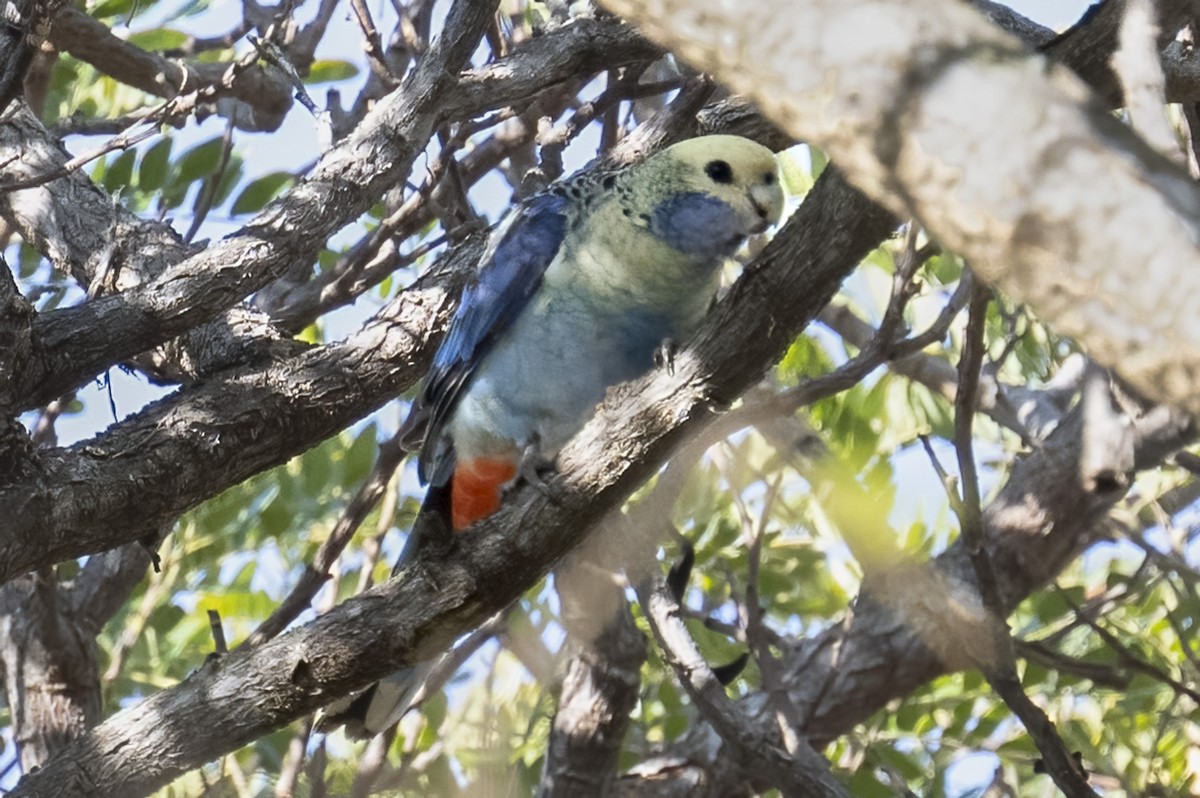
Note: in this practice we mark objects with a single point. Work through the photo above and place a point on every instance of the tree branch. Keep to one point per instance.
(801, 771)
(263, 95)
(191, 445)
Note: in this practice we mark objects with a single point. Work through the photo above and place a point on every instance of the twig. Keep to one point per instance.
(218, 633)
(293, 761)
(1001, 672)
(122, 141)
(1132, 661)
(448, 664)
(970, 509)
(106, 126)
(882, 348)
(44, 434)
(391, 454)
(195, 45)
(373, 45)
(948, 480)
(208, 193)
(1095, 672)
(801, 772)
(371, 764)
(554, 140)
(787, 717)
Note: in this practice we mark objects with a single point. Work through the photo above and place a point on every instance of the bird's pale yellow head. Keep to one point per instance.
(739, 172)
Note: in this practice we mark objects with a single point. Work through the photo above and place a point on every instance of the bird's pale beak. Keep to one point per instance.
(768, 203)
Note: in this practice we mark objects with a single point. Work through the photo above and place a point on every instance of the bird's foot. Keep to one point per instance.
(532, 470)
(664, 356)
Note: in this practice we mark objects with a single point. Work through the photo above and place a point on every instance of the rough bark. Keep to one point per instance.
(190, 446)
(51, 679)
(160, 305)
(256, 97)
(269, 694)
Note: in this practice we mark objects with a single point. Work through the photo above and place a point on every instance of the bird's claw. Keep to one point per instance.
(664, 356)
(531, 470)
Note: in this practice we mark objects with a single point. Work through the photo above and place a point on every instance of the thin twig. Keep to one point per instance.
(373, 45)
(122, 141)
(208, 192)
(391, 454)
(801, 772)
(293, 761)
(1131, 660)
(1001, 672)
(218, 632)
(971, 507)
(447, 665)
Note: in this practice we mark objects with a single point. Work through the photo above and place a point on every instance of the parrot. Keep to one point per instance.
(580, 288)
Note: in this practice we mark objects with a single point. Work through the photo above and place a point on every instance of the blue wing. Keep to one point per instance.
(511, 271)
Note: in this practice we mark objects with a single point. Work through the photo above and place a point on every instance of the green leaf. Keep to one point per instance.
(944, 267)
(675, 725)
(900, 763)
(158, 39)
(276, 517)
(804, 358)
(258, 193)
(199, 161)
(111, 8)
(311, 334)
(152, 173)
(434, 711)
(120, 171)
(865, 784)
(819, 161)
(359, 457)
(796, 178)
(326, 71)
(317, 467)
(29, 260)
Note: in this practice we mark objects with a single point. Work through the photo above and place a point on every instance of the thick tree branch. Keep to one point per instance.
(190, 446)
(600, 686)
(105, 248)
(1087, 46)
(254, 97)
(999, 185)
(52, 681)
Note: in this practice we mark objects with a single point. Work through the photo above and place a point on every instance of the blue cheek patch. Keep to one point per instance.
(697, 224)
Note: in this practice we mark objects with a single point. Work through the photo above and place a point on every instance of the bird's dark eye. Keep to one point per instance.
(769, 179)
(719, 171)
